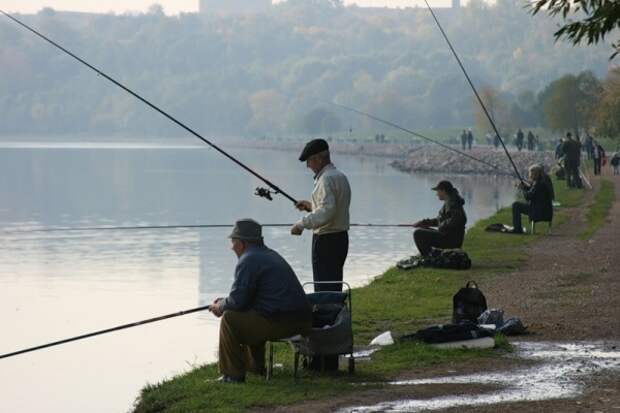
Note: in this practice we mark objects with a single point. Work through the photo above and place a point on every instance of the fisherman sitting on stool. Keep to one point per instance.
(266, 302)
(450, 222)
(539, 194)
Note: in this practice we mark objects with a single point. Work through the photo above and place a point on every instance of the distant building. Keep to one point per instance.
(234, 6)
(456, 4)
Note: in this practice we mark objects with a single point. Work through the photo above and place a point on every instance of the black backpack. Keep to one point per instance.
(468, 303)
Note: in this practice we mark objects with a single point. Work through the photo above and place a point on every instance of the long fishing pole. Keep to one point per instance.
(260, 191)
(394, 125)
(107, 330)
(484, 108)
(191, 226)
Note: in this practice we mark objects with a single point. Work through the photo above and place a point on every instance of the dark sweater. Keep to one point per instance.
(266, 283)
(451, 219)
(540, 197)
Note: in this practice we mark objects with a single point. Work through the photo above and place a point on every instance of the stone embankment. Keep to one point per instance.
(437, 159)
(409, 157)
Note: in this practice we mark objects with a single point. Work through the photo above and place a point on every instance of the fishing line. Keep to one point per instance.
(394, 125)
(190, 226)
(262, 192)
(486, 112)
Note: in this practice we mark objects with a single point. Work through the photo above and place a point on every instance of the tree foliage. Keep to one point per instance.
(584, 20)
(608, 113)
(570, 101)
(268, 73)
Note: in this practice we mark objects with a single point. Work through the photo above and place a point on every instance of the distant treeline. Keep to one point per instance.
(271, 73)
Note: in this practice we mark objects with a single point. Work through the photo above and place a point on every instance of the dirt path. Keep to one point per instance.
(569, 291)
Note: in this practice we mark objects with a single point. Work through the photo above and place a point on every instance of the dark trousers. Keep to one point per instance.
(426, 238)
(329, 252)
(597, 166)
(572, 174)
(519, 208)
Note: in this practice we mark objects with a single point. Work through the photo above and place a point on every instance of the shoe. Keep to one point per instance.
(230, 379)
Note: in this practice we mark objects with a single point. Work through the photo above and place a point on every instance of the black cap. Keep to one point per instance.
(444, 186)
(312, 148)
(247, 229)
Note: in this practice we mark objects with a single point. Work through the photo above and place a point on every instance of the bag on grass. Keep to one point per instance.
(448, 333)
(468, 303)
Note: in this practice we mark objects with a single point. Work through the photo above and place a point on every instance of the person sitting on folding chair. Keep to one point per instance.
(266, 302)
(538, 193)
(450, 222)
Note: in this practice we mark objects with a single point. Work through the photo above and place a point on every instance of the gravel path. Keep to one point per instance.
(568, 291)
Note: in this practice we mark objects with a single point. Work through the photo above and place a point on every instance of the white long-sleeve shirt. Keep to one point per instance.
(331, 198)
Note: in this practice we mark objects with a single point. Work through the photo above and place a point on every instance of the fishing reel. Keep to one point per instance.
(265, 193)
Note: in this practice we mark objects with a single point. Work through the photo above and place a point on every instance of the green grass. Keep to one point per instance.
(400, 301)
(599, 209)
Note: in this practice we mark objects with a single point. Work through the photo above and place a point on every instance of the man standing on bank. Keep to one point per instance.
(266, 302)
(328, 216)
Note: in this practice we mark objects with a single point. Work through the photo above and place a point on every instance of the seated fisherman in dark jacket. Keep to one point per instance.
(266, 302)
(538, 193)
(450, 222)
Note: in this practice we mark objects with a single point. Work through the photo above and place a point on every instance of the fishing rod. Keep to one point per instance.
(394, 125)
(107, 330)
(484, 108)
(191, 226)
(261, 192)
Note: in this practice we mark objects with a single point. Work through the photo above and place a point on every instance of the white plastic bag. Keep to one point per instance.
(383, 339)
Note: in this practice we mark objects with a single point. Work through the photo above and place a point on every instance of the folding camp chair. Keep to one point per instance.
(334, 338)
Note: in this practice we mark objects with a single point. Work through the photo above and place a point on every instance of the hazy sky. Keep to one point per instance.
(170, 6)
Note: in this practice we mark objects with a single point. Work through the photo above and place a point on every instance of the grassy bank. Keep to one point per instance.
(400, 301)
(598, 210)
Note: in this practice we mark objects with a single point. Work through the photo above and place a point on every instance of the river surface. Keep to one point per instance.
(56, 285)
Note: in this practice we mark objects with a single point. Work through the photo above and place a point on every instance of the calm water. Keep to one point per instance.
(57, 285)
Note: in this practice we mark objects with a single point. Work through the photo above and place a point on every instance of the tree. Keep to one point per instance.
(495, 107)
(608, 111)
(594, 19)
(569, 102)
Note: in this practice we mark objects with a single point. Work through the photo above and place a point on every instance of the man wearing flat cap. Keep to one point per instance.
(266, 302)
(450, 222)
(328, 216)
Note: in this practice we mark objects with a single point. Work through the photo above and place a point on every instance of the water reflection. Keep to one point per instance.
(58, 285)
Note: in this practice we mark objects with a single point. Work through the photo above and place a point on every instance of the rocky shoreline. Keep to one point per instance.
(410, 158)
(437, 159)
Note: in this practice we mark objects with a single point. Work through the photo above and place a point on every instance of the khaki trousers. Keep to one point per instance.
(242, 340)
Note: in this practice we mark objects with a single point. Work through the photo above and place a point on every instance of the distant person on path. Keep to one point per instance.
(519, 140)
(450, 222)
(464, 139)
(496, 141)
(559, 149)
(589, 145)
(598, 154)
(266, 302)
(538, 193)
(615, 163)
(571, 151)
(470, 139)
(531, 141)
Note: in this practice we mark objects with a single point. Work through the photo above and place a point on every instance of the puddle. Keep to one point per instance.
(560, 374)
